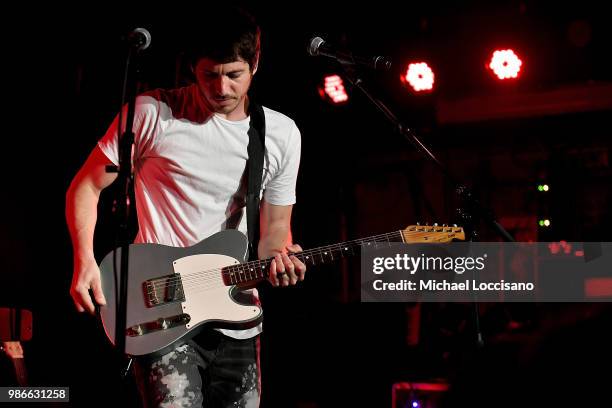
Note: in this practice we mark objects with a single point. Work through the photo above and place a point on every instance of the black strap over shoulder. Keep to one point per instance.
(255, 150)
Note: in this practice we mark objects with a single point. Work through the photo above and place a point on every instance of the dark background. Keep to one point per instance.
(321, 346)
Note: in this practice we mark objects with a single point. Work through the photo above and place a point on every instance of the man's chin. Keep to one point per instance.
(225, 108)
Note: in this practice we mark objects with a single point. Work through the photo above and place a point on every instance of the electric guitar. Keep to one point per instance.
(14, 351)
(174, 292)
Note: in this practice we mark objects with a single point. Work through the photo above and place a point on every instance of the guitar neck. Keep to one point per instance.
(256, 271)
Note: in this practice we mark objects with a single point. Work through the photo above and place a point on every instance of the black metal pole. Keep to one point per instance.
(125, 179)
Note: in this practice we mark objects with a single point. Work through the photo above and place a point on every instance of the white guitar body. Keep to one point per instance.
(214, 303)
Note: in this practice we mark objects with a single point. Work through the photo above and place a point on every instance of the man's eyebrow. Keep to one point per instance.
(234, 71)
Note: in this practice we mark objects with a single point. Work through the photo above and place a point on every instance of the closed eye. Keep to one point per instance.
(234, 74)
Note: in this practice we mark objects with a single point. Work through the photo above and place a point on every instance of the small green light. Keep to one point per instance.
(541, 222)
(540, 187)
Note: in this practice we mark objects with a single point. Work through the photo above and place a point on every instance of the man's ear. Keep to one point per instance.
(193, 63)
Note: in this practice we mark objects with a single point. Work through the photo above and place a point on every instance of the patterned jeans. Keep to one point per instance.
(211, 370)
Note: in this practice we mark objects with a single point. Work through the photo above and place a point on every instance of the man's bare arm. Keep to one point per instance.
(81, 215)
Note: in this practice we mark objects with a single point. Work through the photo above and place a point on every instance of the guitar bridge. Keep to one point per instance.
(162, 290)
(163, 323)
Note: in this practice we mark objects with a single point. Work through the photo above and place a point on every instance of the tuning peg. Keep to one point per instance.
(444, 225)
(455, 225)
(418, 223)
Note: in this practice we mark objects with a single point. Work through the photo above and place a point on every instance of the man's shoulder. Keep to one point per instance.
(278, 119)
(167, 96)
(179, 103)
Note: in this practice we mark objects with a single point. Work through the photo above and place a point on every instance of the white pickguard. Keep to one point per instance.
(206, 296)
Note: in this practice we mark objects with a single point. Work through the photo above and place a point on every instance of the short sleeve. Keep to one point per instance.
(280, 190)
(145, 122)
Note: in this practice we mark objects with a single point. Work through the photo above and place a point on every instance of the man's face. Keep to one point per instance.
(224, 86)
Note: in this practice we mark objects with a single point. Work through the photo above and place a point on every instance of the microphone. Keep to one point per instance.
(139, 39)
(317, 46)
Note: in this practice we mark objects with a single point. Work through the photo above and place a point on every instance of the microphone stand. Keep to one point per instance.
(123, 203)
(471, 209)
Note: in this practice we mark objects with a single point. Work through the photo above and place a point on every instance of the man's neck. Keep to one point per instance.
(240, 113)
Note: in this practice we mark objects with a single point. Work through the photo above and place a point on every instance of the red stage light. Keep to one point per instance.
(334, 89)
(505, 64)
(420, 76)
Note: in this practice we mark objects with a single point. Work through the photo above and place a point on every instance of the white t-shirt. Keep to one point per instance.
(190, 165)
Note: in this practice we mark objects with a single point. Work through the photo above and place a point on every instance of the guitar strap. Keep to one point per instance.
(255, 150)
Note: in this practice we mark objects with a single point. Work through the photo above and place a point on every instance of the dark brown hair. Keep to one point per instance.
(229, 34)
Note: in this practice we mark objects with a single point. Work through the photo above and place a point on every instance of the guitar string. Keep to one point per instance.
(199, 277)
(196, 278)
(216, 280)
(219, 284)
(306, 252)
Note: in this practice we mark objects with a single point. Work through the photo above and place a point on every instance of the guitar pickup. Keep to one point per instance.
(163, 323)
(162, 290)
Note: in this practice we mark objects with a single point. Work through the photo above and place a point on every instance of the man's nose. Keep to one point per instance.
(222, 85)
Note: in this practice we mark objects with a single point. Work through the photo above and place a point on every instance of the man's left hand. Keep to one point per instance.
(286, 269)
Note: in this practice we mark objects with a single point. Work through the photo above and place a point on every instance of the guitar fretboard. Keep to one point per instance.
(255, 271)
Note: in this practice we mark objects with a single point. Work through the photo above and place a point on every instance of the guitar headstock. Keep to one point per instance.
(433, 233)
(13, 349)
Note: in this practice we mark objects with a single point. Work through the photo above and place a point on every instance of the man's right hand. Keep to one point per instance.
(86, 276)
